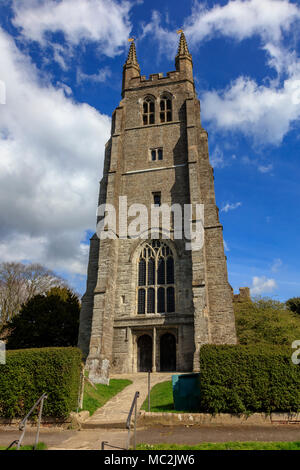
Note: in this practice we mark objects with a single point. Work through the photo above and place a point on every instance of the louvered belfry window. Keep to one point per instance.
(165, 111)
(156, 280)
(148, 111)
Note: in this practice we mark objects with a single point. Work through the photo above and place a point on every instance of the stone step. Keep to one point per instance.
(104, 425)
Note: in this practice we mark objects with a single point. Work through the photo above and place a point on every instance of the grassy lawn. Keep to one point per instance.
(161, 398)
(95, 398)
(225, 446)
(40, 446)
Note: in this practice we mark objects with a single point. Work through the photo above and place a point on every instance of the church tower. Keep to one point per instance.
(150, 302)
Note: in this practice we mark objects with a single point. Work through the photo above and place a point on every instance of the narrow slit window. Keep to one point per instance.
(157, 199)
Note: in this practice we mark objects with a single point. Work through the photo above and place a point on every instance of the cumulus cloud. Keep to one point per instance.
(50, 147)
(242, 19)
(103, 21)
(262, 285)
(230, 207)
(264, 112)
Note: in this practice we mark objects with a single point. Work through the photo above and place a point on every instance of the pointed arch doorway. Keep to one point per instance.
(144, 353)
(167, 353)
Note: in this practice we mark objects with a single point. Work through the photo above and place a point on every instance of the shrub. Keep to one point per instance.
(50, 320)
(28, 373)
(266, 321)
(293, 304)
(248, 379)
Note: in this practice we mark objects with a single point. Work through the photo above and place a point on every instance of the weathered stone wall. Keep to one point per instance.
(204, 311)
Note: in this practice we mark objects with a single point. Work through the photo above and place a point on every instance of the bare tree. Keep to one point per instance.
(20, 282)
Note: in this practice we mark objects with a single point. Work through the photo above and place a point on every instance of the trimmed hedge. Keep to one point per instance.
(248, 379)
(28, 373)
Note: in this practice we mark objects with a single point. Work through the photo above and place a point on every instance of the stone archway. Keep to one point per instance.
(167, 353)
(144, 353)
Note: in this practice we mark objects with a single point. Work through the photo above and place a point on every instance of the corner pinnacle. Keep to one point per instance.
(132, 59)
(183, 49)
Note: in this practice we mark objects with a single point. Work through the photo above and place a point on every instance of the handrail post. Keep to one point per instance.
(128, 422)
(80, 391)
(22, 425)
(22, 437)
(39, 423)
(149, 390)
(135, 415)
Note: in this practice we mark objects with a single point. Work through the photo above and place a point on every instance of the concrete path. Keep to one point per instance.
(91, 439)
(114, 413)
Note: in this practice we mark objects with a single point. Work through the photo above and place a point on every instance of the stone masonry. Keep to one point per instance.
(114, 335)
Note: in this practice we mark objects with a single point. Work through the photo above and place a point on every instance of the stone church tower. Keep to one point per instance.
(150, 303)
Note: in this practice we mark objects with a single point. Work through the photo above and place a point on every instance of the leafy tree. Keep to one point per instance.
(266, 321)
(293, 304)
(49, 320)
(19, 283)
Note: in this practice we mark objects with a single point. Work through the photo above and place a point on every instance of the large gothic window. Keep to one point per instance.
(148, 111)
(165, 111)
(156, 280)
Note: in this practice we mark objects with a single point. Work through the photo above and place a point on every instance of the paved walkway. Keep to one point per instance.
(114, 413)
(91, 439)
(109, 422)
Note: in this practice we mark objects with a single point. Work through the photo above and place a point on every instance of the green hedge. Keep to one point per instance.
(248, 379)
(28, 373)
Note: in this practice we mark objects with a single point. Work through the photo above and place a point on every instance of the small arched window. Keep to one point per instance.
(165, 111)
(148, 111)
(156, 283)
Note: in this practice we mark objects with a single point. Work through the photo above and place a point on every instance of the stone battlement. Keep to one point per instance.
(154, 79)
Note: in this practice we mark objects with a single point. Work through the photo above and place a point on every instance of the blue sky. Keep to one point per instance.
(61, 62)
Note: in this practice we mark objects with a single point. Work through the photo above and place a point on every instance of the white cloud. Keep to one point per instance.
(277, 263)
(264, 112)
(230, 207)
(50, 148)
(99, 77)
(103, 21)
(217, 158)
(261, 167)
(265, 168)
(262, 285)
(167, 41)
(242, 19)
(226, 247)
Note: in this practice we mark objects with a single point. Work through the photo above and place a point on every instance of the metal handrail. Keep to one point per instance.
(22, 425)
(137, 394)
(128, 422)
